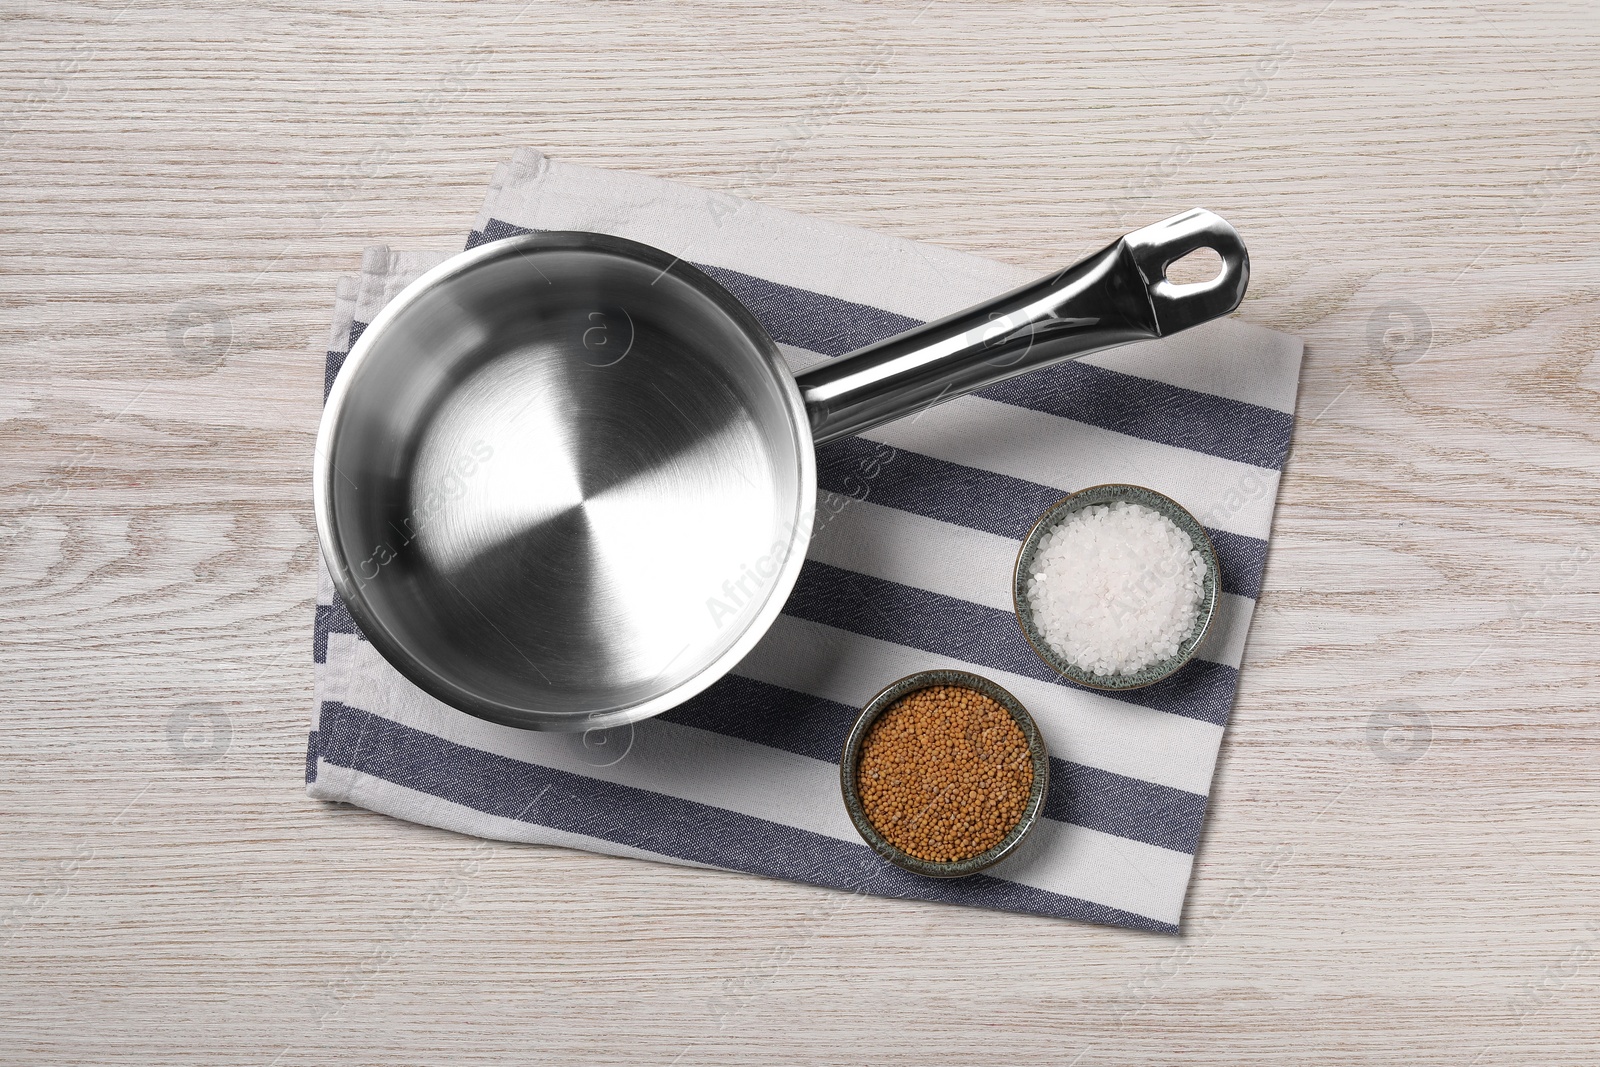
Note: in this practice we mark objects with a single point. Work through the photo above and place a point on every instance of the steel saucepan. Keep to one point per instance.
(556, 528)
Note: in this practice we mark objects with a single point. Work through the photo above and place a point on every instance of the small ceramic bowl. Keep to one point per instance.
(1111, 494)
(852, 759)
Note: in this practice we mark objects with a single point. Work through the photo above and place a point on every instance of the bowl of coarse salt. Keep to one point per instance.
(1116, 586)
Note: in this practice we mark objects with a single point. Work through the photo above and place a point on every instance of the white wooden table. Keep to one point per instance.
(1401, 863)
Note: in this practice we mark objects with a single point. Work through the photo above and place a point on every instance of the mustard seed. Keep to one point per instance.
(944, 773)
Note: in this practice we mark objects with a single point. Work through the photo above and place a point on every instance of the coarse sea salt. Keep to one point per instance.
(1116, 588)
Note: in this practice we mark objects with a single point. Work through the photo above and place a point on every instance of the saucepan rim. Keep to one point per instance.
(392, 648)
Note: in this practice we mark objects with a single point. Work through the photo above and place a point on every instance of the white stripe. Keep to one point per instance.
(956, 561)
(344, 785)
(384, 273)
(1068, 455)
(767, 783)
(914, 550)
(344, 295)
(1078, 725)
(1229, 631)
(1224, 357)
(1074, 860)
(801, 358)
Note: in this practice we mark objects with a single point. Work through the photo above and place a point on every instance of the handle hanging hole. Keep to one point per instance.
(1196, 268)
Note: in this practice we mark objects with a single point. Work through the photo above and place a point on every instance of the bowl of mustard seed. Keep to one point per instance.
(944, 773)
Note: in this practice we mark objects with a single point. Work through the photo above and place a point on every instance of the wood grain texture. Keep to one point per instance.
(1400, 865)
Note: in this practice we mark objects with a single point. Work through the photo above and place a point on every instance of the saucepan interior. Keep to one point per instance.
(566, 482)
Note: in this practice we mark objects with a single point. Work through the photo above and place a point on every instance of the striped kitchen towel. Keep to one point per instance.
(918, 525)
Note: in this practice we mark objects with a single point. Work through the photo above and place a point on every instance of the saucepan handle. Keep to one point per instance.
(1119, 294)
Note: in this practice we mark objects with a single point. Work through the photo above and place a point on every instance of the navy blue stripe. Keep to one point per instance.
(311, 758)
(332, 618)
(1096, 396)
(667, 826)
(335, 361)
(983, 500)
(1242, 559)
(815, 322)
(1154, 411)
(1126, 807)
(330, 371)
(494, 230)
(770, 715)
(982, 636)
(936, 488)
(797, 722)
